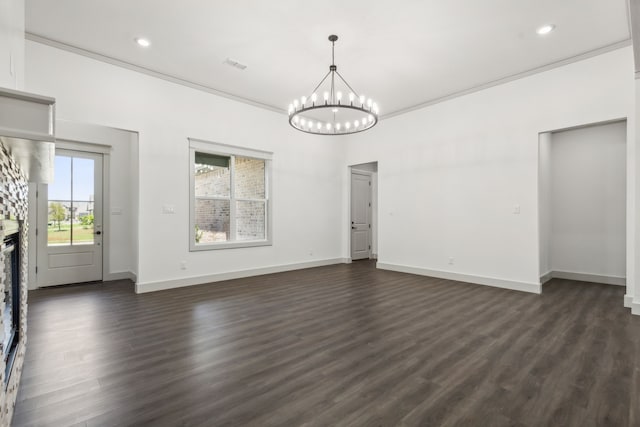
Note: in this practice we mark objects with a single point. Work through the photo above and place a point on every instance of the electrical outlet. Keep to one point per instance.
(183, 265)
(451, 260)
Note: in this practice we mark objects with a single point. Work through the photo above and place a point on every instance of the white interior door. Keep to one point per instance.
(69, 230)
(360, 215)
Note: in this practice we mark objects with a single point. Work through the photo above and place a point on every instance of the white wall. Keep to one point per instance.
(632, 298)
(588, 200)
(451, 174)
(306, 169)
(12, 44)
(544, 203)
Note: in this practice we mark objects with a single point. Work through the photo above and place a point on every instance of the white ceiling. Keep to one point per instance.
(403, 53)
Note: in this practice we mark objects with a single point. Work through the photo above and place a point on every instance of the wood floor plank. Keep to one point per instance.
(339, 345)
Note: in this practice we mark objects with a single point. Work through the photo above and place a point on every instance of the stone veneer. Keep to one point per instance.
(13, 205)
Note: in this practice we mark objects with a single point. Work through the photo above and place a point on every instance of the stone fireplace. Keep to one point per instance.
(13, 280)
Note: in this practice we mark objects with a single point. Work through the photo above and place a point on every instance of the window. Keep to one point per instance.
(230, 204)
(71, 203)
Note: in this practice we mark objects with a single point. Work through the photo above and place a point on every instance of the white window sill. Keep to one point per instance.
(228, 245)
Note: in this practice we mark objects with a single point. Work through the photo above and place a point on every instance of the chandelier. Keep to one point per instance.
(335, 113)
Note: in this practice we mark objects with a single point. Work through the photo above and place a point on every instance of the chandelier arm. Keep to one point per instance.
(321, 81)
(348, 85)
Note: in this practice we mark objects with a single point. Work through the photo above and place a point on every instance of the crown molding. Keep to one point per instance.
(167, 77)
(177, 80)
(586, 55)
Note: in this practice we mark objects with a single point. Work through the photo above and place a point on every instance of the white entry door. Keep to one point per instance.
(69, 230)
(360, 215)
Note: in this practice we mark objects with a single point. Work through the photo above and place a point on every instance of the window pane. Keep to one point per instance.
(212, 176)
(83, 223)
(60, 188)
(250, 220)
(249, 178)
(212, 221)
(59, 226)
(83, 179)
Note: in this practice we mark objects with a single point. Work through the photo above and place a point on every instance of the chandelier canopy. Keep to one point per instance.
(333, 112)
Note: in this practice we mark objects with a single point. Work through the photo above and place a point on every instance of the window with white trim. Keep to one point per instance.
(230, 193)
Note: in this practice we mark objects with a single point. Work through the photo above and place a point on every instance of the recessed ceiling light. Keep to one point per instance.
(143, 42)
(545, 29)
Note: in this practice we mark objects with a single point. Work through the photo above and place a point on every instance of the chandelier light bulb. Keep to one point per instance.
(336, 102)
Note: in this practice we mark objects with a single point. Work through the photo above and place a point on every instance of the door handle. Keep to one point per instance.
(353, 228)
(98, 232)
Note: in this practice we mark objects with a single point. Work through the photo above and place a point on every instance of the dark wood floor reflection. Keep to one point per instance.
(340, 345)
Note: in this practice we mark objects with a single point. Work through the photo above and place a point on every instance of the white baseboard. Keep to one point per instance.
(593, 278)
(535, 288)
(635, 308)
(119, 275)
(628, 301)
(546, 277)
(199, 280)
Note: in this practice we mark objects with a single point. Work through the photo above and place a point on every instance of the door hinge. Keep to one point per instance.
(369, 247)
(369, 225)
(36, 269)
(369, 204)
(369, 183)
(36, 231)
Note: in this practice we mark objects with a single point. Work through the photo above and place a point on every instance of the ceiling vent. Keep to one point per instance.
(232, 62)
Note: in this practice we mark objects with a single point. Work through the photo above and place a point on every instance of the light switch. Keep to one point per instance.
(168, 209)
(516, 210)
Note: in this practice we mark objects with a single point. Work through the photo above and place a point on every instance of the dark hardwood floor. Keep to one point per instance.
(344, 345)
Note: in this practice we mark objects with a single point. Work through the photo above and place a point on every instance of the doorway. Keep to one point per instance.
(582, 200)
(363, 208)
(69, 220)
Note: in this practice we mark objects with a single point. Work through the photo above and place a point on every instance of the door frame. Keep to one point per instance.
(85, 147)
(353, 169)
